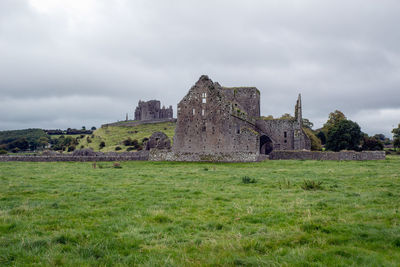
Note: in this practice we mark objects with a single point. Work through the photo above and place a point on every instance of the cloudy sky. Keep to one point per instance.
(69, 63)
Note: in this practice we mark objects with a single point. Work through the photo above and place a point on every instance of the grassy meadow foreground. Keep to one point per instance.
(174, 214)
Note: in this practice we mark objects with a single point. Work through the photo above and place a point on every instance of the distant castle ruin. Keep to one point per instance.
(151, 110)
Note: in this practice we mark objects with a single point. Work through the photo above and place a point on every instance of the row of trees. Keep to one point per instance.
(38, 139)
(71, 131)
(340, 133)
(23, 140)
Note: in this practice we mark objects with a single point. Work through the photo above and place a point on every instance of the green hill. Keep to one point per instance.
(113, 136)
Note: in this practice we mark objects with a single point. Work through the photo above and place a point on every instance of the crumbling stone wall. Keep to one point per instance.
(151, 110)
(246, 97)
(208, 122)
(98, 156)
(168, 155)
(317, 155)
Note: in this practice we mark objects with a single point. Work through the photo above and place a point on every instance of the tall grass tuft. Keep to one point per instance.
(311, 185)
(248, 180)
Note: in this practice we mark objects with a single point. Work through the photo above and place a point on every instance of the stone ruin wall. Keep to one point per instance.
(246, 97)
(168, 155)
(286, 134)
(127, 156)
(316, 155)
(205, 123)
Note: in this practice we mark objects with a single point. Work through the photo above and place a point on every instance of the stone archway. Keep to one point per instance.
(265, 145)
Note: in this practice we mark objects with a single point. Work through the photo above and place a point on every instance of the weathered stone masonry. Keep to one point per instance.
(160, 155)
(317, 155)
(141, 155)
(211, 119)
(214, 119)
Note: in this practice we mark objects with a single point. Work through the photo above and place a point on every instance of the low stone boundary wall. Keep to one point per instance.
(168, 155)
(143, 155)
(317, 155)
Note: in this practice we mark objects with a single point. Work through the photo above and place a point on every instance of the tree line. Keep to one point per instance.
(16, 141)
(340, 133)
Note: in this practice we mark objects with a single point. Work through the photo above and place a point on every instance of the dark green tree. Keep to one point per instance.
(21, 144)
(344, 135)
(322, 137)
(380, 137)
(396, 136)
(372, 144)
(43, 142)
(396, 142)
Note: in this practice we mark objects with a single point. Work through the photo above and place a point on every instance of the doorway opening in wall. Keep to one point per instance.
(265, 145)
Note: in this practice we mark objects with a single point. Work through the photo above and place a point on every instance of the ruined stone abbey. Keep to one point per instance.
(212, 119)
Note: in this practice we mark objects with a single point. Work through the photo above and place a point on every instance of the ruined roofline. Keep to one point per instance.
(241, 88)
(153, 100)
(206, 78)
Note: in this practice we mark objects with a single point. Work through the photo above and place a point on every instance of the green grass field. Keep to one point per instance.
(196, 214)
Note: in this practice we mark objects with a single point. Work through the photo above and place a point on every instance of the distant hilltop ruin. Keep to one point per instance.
(147, 112)
(151, 110)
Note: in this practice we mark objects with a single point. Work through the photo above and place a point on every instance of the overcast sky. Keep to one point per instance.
(73, 63)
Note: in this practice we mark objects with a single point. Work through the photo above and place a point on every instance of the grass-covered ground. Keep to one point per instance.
(191, 214)
(114, 136)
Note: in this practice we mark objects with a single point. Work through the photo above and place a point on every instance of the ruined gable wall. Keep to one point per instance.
(206, 126)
